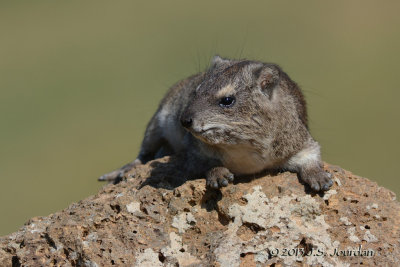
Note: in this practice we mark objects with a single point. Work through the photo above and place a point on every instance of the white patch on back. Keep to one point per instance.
(172, 131)
(162, 115)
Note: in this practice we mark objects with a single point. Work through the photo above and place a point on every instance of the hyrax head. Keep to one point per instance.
(240, 101)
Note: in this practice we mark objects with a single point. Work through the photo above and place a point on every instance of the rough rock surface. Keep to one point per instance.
(154, 218)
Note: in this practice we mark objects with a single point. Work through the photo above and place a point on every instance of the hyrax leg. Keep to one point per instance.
(198, 165)
(152, 143)
(307, 163)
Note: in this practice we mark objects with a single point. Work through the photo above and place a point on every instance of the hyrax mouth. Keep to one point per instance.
(212, 135)
(204, 134)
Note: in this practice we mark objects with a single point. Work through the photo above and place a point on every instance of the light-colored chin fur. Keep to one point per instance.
(240, 159)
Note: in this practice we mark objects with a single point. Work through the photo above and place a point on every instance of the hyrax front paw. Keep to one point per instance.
(318, 180)
(218, 177)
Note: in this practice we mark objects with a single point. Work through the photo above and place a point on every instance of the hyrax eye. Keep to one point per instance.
(227, 101)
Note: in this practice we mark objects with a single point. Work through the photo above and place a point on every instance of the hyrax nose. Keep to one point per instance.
(186, 122)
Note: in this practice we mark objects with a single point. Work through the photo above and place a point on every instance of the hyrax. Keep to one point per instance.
(238, 117)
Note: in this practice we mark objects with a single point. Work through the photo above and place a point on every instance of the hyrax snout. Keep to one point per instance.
(238, 117)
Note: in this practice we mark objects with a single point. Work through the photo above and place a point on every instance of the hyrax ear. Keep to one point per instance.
(217, 61)
(267, 78)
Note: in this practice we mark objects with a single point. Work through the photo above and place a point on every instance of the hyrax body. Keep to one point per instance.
(239, 117)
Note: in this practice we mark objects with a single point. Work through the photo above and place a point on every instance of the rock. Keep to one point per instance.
(157, 218)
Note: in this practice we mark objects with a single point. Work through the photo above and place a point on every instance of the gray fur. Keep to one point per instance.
(264, 128)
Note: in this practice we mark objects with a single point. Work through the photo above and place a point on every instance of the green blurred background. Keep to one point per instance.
(80, 79)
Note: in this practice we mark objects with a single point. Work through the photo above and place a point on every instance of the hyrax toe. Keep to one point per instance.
(326, 181)
(219, 177)
(230, 177)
